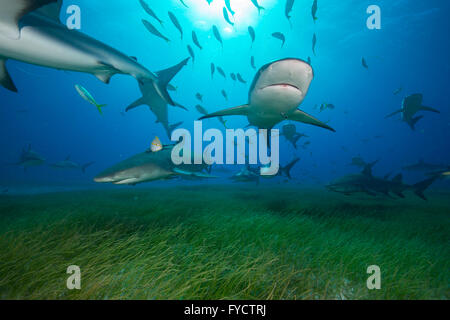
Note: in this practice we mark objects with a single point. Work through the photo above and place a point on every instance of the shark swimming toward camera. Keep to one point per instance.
(275, 94)
(410, 106)
(152, 99)
(149, 166)
(31, 32)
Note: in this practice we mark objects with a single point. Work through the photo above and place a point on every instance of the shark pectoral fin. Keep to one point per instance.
(303, 117)
(393, 114)
(106, 73)
(135, 104)
(193, 174)
(13, 11)
(165, 76)
(5, 78)
(236, 111)
(423, 108)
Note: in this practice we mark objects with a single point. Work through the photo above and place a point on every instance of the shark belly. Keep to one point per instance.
(50, 44)
(272, 105)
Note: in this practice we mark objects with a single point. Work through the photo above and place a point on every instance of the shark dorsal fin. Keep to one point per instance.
(52, 10)
(398, 178)
(12, 11)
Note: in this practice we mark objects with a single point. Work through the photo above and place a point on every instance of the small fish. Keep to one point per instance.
(256, 4)
(226, 17)
(239, 77)
(288, 9)
(195, 40)
(225, 95)
(171, 87)
(154, 31)
(88, 97)
(397, 91)
(213, 69)
(176, 23)
(309, 60)
(222, 73)
(199, 97)
(184, 4)
(314, 10)
(156, 145)
(228, 5)
(233, 76)
(364, 63)
(314, 42)
(252, 33)
(217, 35)
(150, 11)
(252, 62)
(279, 36)
(201, 110)
(191, 52)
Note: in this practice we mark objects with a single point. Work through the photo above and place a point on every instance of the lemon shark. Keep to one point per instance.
(149, 166)
(31, 32)
(275, 95)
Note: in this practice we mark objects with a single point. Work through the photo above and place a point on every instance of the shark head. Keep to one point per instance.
(282, 84)
(133, 175)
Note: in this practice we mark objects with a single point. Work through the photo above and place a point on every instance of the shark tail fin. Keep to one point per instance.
(164, 77)
(419, 188)
(414, 121)
(85, 166)
(423, 108)
(287, 169)
(393, 114)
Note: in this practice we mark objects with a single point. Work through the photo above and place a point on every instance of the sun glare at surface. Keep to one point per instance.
(204, 16)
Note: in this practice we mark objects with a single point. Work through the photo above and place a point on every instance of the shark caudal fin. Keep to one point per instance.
(414, 121)
(164, 77)
(287, 169)
(85, 166)
(236, 111)
(303, 117)
(419, 188)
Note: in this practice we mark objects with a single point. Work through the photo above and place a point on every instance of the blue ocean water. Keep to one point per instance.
(410, 51)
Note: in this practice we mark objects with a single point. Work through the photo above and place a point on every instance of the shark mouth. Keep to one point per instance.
(283, 85)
